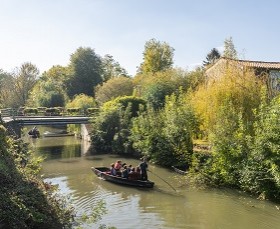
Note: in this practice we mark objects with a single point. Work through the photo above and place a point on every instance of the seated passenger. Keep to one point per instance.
(129, 168)
(118, 165)
(133, 175)
(112, 170)
(124, 172)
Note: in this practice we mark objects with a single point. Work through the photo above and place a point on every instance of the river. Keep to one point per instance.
(68, 162)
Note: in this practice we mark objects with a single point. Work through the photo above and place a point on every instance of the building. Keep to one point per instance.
(268, 70)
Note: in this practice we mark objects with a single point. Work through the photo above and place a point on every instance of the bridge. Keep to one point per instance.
(14, 124)
(43, 120)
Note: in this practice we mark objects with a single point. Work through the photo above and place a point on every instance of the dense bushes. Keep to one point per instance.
(26, 201)
(232, 113)
(111, 127)
(166, 136)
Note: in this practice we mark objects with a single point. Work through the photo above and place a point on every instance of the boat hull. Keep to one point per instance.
(180, 171)
(53, 134)
(103, 173)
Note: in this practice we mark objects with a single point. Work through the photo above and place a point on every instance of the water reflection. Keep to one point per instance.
(161, 207)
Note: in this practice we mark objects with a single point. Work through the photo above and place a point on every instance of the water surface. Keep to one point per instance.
(68, 164)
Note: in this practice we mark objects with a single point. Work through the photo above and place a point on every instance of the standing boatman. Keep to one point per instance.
(143, 168)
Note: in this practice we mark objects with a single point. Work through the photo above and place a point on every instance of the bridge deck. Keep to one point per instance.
(46, 120)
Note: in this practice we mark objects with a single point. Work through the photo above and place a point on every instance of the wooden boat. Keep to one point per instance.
(104, 173)
(61, 133)
(179, 170)
(34, 133)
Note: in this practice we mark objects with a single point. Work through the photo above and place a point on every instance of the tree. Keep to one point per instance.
(155, 86)
(113, 88)
(111, 127)
(7, 99)
(165, 136)
(50, 90)
(86, 72)
(81, 101)
(158, 56)
(212, 57)
(24, 80)
(240, 89)
(229, 49)
(111, 68)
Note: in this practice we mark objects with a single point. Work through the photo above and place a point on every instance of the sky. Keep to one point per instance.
(47, 32)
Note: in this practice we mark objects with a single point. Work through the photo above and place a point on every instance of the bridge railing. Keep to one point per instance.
(8, 112)
(12, 112)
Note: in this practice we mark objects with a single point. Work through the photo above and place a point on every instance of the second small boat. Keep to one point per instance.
(61, 133)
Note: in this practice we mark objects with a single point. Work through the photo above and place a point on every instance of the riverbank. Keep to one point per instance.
(26, 200)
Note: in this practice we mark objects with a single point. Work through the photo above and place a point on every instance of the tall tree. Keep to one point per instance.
(112, 68)
(229, 49)
(24, 80)
(86, 67)
(6, 87)
(158, 56)
(50, 90)
(113, 88)
(212, 57)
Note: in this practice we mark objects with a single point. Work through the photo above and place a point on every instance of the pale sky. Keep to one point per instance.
(47, 32)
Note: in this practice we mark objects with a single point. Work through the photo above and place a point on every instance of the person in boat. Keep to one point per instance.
(34, 131)
(112, 170)
(124, 172)
(118, 166)
(143, 169)
(133, 175)
(129, 168)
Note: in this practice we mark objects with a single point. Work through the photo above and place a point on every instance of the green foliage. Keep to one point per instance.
(261, 173)
(81, 101)
(86, 72)
(155, 93)
(111, 68)
(7, 99)
(154, 87)
(165, 136)
(24, 80)
(52, 111)
(230, 148)
(26, 201)
(92, 110)
(158, 56)
(229, 49)
(242, 90)
(111, 128)
(29, 110)
(212, 57)
(115, 87)
(125, 101)
(49, 91)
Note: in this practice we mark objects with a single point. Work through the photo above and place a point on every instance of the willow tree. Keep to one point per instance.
(226, 108)
(240, 89)
(157, 56)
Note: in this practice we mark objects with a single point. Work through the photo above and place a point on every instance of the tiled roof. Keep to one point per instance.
(257, 64)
